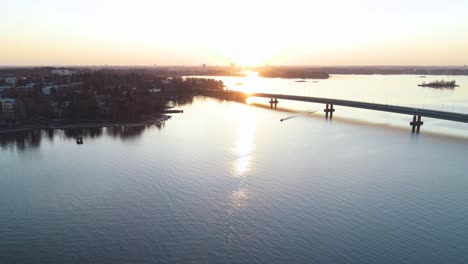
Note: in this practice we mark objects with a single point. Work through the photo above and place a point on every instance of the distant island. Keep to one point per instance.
(439, 84)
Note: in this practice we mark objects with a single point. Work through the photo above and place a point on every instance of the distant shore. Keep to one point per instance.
(153, 121)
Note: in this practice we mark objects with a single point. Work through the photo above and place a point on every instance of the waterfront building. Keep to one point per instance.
(28, 86)
(11, 109)
(54, 88)
(9, 81)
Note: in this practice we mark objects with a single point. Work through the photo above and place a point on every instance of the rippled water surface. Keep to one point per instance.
(229, 183)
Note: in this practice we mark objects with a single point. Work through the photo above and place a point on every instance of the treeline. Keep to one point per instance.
(109, 95)
(440, 84)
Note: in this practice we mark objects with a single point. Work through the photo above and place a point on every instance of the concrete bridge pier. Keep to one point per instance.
(328, 110)
(273, 103)
(416, 124)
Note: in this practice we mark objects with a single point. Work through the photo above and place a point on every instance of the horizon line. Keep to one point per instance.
(225, 65)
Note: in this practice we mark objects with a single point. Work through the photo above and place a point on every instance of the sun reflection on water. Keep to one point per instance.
(250, 100)
(239, 199)
(243, 157)
(250, 83)
(244, 143)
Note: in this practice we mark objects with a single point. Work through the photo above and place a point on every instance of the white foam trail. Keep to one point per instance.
(294, 116)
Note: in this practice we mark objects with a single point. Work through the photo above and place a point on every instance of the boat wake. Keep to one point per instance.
(294, 116)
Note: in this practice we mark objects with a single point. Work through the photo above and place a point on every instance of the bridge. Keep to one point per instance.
(417, 113)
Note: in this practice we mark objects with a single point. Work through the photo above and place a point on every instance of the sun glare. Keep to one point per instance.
(249, 83)
(248, 49)
(251, 74)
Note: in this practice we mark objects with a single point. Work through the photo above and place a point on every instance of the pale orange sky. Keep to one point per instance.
(293, 32)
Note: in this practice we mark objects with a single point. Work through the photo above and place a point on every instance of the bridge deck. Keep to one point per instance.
(457, 117)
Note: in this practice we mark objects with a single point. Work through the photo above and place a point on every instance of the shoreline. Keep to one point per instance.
(154, 121)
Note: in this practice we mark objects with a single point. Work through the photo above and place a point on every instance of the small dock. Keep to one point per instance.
(173, 111)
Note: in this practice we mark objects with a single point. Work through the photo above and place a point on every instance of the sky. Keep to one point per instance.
(246, 32)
